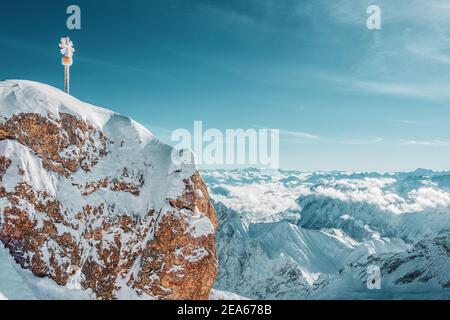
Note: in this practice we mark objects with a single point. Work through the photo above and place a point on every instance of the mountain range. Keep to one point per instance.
(296, 235)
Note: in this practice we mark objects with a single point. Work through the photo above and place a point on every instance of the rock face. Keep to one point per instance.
(91, 200)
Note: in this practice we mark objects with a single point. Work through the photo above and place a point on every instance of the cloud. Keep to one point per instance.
(124, 67)
(398, 89)
(228, 14)
(299, 134)
(428, 91)
(263, 16)
(423, 12)
(368, 141)
(402, 121)
(433, 143)
(264, 199)
(25, 46)
(405, 58)
(264, 196)
(376, 191)
(369, 190)
(432, 91)
(434, 54)
(429, 198)
(306, 137)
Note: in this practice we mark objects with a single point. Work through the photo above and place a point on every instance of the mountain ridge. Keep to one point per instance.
(291, 254)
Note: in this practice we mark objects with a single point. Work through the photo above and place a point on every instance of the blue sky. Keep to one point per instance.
(344, 97)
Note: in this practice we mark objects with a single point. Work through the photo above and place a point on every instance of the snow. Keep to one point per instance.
(198, 223)
(344, 223)
(75, 281)
(17, 96)
(19, 284)
(197, 254)
(35, 175)
(12, 285)
(223, 295)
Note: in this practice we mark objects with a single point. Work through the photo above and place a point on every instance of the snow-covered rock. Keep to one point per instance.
(92, 205)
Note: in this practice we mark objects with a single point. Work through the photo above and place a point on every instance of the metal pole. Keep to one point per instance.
(67, 79)
(67, 51)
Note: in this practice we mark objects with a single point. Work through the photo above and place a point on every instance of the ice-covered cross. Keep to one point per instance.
(66, 46)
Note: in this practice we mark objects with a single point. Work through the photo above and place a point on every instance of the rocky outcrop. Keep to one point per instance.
(64, 144)
(92, 201)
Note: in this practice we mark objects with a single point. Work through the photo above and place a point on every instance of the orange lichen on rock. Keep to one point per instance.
(4, 165)
(51, 138)
(172, 265)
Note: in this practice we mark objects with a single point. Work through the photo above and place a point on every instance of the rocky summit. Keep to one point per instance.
(91, 205)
